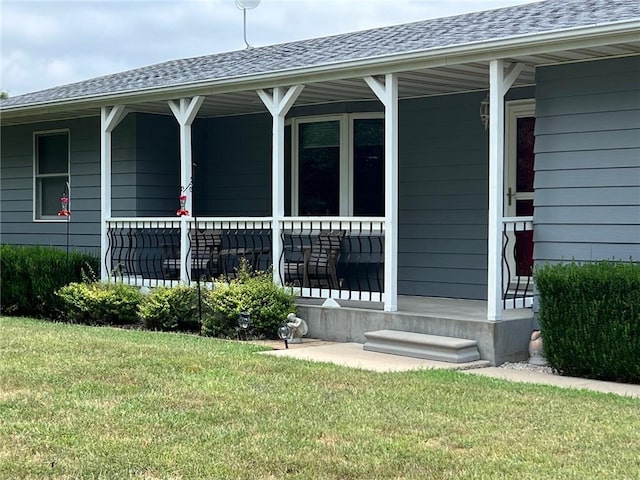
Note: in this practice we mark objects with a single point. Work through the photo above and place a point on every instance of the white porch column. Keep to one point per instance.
(387, 93)
(499, 84)
(110, 117)
(185, 112)
(278, 103)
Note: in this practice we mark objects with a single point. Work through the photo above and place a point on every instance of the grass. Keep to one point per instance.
(102, 403)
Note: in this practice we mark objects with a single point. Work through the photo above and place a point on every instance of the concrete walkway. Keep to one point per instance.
(352, 355)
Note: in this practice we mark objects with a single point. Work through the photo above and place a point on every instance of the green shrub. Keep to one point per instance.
(590, 319)
(255, 293)
(173, 309)
(101, 303)
(32, 274)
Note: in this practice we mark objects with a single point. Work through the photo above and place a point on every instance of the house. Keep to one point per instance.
(448, 156)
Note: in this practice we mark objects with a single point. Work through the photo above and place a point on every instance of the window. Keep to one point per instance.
(338, 165)
(51, 172)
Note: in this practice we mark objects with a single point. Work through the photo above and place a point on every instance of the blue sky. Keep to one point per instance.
(44, 43)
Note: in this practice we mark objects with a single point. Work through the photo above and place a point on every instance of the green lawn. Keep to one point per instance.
(81, 402)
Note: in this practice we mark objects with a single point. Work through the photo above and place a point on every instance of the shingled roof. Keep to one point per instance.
(379, 43)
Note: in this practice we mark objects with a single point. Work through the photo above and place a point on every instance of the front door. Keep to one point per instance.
(519, 150)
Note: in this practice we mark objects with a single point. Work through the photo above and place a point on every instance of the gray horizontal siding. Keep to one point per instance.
(591, 232)
(587, 179)
(123, 152)
(444, 260)
(602, 196)
(581, 251)
(602, 121)
(237, 167)
(603, 102)
(587, 215)
(157, 166)
(589, 140)
(443, 176)
(144, 178)
(16, 187)
(593, 159)
(438, 288)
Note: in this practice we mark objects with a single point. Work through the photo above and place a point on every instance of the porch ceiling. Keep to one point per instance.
(414, 81)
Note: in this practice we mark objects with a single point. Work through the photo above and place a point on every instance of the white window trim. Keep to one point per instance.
(346, 157)
(37, 196)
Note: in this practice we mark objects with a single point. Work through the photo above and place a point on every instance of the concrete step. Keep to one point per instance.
(420, 345)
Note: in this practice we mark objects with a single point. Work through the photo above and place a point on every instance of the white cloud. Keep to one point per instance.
(49, 43)
(31, 27)
(58, 70)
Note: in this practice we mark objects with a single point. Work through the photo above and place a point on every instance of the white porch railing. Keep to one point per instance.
(147, 251)
(340, 258)
(136, 249)
(517, 262)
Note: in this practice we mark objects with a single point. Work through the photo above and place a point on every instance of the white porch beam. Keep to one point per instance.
(499, 84)
(387, 93)
(278, 103)
(185, 111)
(110, 117)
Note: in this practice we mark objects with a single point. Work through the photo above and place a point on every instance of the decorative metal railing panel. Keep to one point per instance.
(225, 243)
(147, 251)
(517, 262)
(137, 248)
(341, 258)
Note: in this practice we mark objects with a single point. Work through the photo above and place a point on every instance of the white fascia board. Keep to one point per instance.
(528, 44)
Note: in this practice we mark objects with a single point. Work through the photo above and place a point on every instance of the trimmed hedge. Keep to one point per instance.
(590, 319)
(30, 276)
(100, 303)
(174, 309)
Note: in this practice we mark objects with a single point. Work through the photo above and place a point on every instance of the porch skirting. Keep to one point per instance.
(501, 341)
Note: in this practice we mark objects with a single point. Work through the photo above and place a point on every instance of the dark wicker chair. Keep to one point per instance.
(205, 256)
(314, 264)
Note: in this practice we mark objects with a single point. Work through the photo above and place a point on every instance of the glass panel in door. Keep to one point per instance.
(524, 193)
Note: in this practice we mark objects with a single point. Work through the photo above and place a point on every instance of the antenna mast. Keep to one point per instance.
(245, 5)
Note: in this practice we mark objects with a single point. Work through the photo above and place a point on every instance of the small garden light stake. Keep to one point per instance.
(244, 321)
(283, 333)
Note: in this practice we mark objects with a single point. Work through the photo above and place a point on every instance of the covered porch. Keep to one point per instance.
(368, 252)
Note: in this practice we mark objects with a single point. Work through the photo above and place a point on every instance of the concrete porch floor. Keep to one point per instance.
(455, 308)
(498, 342)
